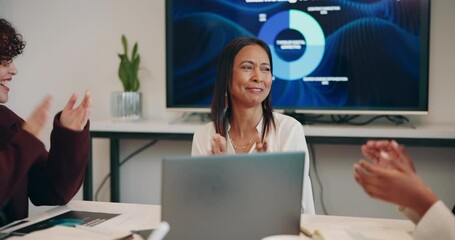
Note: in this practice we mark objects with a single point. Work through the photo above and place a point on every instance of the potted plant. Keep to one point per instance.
(127, 105)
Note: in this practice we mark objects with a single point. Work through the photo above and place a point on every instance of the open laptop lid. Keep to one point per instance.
(241, 196)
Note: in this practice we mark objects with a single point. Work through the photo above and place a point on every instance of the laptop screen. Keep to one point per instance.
(239, 196)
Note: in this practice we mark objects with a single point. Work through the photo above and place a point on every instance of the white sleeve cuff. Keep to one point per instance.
(437, 223)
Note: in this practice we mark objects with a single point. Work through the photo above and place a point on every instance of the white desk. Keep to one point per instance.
(105, 207)
(349, 228)
(138, 216)
(372, 228)
(421, 135)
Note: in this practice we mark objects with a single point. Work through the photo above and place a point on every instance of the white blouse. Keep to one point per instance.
(437, 223)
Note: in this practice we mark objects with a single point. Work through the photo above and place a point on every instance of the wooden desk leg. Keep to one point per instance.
(87, 194)
(115, 169)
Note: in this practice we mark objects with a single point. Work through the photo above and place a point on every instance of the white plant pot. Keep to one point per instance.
(126, 105)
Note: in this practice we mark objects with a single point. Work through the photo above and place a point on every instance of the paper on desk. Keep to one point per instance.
(125, 223)
(357, 231)
(62, 232)
(118, 227)
(121, 226)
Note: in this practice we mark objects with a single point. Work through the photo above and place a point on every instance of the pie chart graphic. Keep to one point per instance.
(314, 41)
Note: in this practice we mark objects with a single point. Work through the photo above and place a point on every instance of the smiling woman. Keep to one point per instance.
(251, 63)
(241, 95)
(243, 120)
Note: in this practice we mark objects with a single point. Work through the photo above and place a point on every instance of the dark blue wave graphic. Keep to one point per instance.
(376, 44)
(199, 38)
(373, 81)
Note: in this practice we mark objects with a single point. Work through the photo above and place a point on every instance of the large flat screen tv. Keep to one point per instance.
(329, 56)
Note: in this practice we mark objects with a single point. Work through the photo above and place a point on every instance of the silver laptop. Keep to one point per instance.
(242, 196)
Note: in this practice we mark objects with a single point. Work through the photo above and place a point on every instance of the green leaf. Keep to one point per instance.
(125, 45)
(134, 51)
(129, 68)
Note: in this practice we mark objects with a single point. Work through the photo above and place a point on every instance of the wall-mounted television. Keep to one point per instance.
(329, 56)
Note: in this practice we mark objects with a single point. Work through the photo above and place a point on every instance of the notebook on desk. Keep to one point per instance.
(242, 196)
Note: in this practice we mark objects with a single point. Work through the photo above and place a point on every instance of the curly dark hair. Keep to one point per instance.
(11, 43)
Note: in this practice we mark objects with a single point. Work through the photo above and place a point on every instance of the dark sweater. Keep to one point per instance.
(27, 170)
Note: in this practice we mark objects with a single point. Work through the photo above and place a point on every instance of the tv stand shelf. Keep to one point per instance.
(435, 135)
(438, 135)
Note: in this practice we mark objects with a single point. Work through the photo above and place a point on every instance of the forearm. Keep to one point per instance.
(423, 201)
(62, 174)
(16, 158)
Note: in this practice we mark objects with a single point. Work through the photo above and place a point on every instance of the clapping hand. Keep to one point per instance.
(75, 118)
(36, 122)
(218, 145)
(388, 154)
(392, 176)
(261, 145)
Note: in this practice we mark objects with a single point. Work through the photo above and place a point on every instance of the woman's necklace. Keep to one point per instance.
(241, 147)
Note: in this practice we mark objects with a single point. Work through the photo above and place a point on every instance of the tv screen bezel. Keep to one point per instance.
(423, 108)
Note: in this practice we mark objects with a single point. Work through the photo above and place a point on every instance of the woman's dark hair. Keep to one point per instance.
(11, 43)
(220, 113)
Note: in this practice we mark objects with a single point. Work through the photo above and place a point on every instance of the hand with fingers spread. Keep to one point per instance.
(36, 122)
(75, 118)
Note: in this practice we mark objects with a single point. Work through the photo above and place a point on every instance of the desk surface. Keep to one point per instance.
(132, 217)
(106, 207)
(340, 226)
(349, 228)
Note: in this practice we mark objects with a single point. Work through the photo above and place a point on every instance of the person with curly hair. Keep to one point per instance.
(27, 169)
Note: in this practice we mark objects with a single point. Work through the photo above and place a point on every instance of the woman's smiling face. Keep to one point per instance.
(7, 71)
(251, 78)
